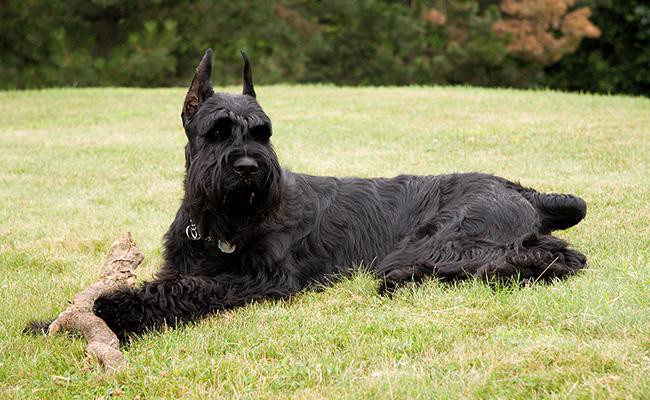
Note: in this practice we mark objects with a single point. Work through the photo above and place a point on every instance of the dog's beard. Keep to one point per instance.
(226, 205)
(243, 194)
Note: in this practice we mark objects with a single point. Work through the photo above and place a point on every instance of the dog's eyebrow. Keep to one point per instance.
(259, 124)
(255, 121)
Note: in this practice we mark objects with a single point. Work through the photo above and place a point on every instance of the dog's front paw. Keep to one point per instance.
(122, 310)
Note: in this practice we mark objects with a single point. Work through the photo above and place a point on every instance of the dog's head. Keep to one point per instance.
(232, 173)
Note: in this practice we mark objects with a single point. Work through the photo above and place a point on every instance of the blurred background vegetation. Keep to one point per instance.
(590, 45)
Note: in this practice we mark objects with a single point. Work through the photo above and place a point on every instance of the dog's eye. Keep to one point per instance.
(220, 129)
(260, 132)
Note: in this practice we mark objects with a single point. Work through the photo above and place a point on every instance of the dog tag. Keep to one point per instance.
(226, 247)
(192, 233)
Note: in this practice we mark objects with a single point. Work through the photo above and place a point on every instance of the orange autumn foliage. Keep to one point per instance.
(544, 30)
(435, 17)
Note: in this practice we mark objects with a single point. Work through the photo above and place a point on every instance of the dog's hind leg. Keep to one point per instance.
(533, 258)
(536, 258)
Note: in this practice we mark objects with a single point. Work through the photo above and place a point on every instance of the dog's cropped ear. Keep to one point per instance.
(248, 76)
(200, 88)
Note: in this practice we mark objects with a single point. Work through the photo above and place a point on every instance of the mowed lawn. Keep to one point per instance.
(80, 167)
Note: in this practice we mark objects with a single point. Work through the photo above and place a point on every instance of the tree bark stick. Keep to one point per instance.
(121, 261)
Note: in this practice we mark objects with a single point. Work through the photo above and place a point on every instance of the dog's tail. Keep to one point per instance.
(556, 211)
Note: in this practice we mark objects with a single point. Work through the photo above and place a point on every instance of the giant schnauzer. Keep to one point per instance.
(247, 229)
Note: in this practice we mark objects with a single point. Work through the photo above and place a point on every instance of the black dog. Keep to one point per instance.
(248, 229)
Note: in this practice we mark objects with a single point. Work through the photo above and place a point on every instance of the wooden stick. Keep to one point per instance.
(122, 259)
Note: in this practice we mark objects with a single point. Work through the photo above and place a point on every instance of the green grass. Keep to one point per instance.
(81, 167)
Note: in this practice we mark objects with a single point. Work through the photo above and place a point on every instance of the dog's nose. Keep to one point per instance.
(245, 165)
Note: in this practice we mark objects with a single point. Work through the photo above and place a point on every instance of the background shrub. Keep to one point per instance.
(366, 42)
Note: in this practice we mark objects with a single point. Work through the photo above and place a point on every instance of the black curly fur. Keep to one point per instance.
(37, 327)
(292, 231)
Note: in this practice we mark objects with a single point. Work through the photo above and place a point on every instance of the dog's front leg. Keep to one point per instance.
(169, 302)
